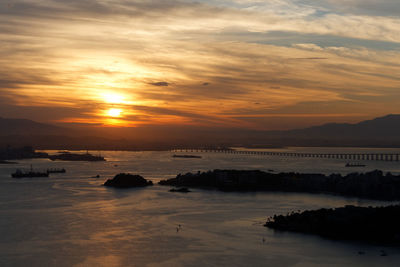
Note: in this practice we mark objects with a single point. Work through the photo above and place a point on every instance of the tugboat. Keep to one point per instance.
(355, 165)
(55, 170)
(28, 174)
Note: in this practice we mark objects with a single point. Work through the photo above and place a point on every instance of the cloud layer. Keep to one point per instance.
(235, 63)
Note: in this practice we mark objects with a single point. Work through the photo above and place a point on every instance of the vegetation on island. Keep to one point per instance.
(372, 185)
(126, 180)
(378, 225)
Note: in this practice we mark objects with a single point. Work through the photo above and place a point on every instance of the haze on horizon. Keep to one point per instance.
(264, 65)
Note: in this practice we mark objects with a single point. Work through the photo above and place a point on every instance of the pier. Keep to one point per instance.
(348, 156)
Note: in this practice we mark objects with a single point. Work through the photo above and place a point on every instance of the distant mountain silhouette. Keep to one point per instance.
(378, 128)
(27, 127)
(378, 132)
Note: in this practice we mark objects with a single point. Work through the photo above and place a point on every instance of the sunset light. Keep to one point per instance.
(113, 98)
(114, 112)
(221, 116)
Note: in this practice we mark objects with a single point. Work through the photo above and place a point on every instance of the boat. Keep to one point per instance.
(29, 174)
(55, 170)
(187, 156)
(355, 165)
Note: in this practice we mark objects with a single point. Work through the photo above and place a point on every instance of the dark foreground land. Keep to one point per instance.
(372, 185)
(378, 225)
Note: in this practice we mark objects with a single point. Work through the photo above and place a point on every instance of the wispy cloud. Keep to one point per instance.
(200, 62)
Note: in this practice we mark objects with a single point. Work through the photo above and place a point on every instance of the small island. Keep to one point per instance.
(127, 180)
(67, 156)
(379, 225)
(371, 185)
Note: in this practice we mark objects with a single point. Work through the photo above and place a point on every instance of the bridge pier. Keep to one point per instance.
(358, 156)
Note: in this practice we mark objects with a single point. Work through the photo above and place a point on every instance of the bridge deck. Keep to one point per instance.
(350, 156)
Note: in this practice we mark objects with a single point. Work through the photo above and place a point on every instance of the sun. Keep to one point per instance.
(114, 112)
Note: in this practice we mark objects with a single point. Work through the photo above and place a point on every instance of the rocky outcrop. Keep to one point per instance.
(126, 180)
(372, 185)
(376, 225)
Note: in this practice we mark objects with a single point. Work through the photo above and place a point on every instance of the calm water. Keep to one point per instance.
(71, 220)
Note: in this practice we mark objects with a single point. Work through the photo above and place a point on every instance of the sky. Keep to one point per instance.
(264, 65)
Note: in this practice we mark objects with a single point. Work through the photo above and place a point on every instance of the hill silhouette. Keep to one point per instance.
(24, 126)
(378, 132)
(382, 127)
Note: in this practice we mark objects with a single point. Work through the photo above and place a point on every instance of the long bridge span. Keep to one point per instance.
(348, 156)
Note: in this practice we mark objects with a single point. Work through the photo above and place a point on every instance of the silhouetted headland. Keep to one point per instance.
(372, 185)
(375, 225)
(26, 152)
(76, 157)
(126, 180)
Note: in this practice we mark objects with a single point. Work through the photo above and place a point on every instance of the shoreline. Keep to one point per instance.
(376, 225)
(369, 185)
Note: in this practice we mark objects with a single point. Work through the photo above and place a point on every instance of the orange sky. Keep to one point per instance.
(252, 64)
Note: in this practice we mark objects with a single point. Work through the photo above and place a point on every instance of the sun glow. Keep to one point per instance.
(114, 112)
(114, 98)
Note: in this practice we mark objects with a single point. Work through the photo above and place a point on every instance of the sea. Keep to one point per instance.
(71, 219)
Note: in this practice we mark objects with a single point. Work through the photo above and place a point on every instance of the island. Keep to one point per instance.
(371, 185)
(127, 180)
(379, 225)
(67, 156)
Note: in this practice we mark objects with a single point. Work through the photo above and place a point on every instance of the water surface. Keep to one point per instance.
(71, 220)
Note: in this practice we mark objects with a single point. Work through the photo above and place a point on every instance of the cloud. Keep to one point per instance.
(160, 84)
(278, 53)
(312, 47)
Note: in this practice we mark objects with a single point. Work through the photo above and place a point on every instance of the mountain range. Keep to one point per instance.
(378, 132)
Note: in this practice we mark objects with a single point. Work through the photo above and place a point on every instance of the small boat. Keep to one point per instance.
(55, 170)
(29, 174)
(355, 165)
(187, 156)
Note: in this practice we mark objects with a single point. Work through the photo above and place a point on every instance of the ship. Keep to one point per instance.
(55, 170)
(29, 174)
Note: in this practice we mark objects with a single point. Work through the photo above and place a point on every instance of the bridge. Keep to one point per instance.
(348, 156)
